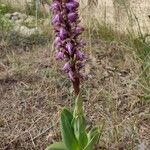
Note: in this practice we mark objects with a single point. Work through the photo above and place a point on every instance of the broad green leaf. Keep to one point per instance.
(57, 146)
(67, 131)
(79, 131)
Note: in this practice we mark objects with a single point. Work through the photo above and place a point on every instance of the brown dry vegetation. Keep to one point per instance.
(33, 91)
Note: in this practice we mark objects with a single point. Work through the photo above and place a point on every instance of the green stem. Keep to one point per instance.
(78, 110)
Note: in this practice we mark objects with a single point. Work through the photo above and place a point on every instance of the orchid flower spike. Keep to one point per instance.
(67, 42)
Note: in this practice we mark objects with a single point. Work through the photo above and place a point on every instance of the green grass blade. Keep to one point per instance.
(93, 136)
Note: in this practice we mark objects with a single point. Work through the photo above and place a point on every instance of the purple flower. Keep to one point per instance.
(71, 0)
(56, 6)
(57, 40)
(69, 48)
(71, 6)
(60, 55)
(71, 75)
(58, 46)
(66, 26)
(63, 33)
(56, 19)
(73, 16)
(67, 67)
(78, 30)
(80, 56)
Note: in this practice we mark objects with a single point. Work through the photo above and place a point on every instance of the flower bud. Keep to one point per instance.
(78, 30)
(71, 6)
(69, 48)
(56, 7)
(73, 17)
(79, 55)
(56, 19)
(60, 55)
(63, 33)
(71, 75)
(67, 67)
(57, 40)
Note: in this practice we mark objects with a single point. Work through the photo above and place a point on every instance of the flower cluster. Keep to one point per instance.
(67, 42)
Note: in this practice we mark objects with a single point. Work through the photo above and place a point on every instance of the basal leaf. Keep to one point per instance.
(79, 131)
(67, 130)
(57, 146)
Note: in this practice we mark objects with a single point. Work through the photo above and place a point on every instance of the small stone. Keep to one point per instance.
(20, 21)
(23, 30)
(16, 14)
(23, 16)
(106, 74)
(29, 20)
(14, 18)
(142, 146)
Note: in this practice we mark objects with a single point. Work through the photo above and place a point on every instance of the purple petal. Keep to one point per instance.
(73, 17)
(71, 6)
(80, 55)
(58, 46)
(56, 19)
(66, 67)
(69, 48)
(56, 6)
(79, 30)
(71, 1)
(71, 75)
(63, 33)
(57, 40)
(60, 55)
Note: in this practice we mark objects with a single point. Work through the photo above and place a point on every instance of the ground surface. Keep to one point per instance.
(33, 90)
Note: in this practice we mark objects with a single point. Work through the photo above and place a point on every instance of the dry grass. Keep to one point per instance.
(123, 15)
(31, 97)
(33, 91)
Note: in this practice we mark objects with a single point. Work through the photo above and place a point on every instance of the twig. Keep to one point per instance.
(26, 131)
(32, 139)
(46, 130)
